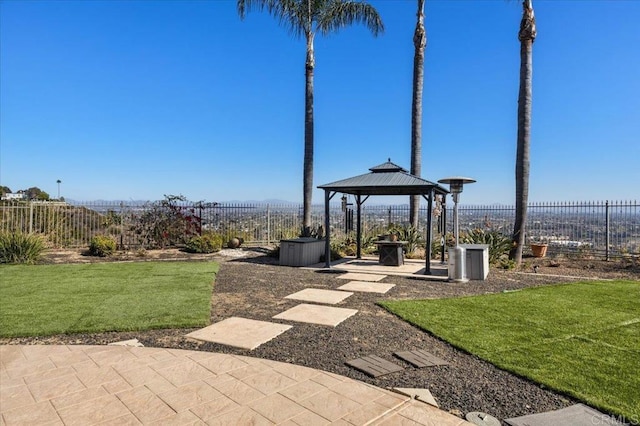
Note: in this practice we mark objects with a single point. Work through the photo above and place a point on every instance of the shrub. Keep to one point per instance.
(205, 243)
(167, 223)
(436, 245)
(506, 263)
(499, 245)
(335, 255)
(341, 247)
(16, 247)
(102, 245)
(411, 235)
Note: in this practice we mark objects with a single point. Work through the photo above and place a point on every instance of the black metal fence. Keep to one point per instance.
(601, 228)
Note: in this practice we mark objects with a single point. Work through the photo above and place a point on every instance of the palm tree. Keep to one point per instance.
(305, 18)
(419, 43)
(526, 35)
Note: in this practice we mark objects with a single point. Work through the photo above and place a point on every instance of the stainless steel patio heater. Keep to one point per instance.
(457, 254)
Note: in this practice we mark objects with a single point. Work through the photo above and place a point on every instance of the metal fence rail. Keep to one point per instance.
(600, 228)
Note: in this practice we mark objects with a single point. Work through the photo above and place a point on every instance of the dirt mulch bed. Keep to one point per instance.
(254, 286)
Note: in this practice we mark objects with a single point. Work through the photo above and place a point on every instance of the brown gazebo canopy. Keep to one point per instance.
(386, 179)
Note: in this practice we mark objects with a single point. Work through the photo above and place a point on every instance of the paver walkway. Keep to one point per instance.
(85, 385)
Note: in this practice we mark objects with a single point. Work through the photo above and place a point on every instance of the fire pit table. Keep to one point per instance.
(391, 253)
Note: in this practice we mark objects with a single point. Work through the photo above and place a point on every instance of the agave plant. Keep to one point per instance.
(499, 245)
(411, 235)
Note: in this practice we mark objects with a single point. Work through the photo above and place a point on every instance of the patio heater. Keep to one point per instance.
(457, 254)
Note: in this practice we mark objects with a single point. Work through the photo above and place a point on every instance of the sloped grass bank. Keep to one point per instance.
(582, 339)
(42, 300)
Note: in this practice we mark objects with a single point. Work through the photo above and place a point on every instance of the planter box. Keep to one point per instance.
(539, 250)
(301, 251)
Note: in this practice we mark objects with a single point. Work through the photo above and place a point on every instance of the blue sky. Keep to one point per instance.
(137, 99)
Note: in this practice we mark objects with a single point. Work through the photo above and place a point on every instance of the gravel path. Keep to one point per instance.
(255, 286)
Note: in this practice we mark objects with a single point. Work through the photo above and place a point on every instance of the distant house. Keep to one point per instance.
(14, 196)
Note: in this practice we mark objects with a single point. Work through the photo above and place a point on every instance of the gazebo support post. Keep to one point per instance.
(327, 228)
(427, 251)
(359, 228)
(359, 203)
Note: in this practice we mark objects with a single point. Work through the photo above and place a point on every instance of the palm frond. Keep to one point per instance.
(291, 14)
(329, 16)
(246, 6)
(337, 14)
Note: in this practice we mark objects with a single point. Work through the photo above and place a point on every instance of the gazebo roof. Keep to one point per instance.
(385, 179)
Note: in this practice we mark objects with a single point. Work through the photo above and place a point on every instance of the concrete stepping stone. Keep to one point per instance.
(575, 415)
(420, 394)
(240, 332)
(316, 314)
(367, 287)
(420, 358)
(355, 276)
(374, 366)
(330, 297)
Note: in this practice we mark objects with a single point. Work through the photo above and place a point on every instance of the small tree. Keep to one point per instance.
(35, 193)
(166, 223)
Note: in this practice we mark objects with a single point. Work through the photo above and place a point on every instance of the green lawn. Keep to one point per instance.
(582, 339)
(41, 300)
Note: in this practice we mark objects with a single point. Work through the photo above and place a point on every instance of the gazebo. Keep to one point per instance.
(386, 179)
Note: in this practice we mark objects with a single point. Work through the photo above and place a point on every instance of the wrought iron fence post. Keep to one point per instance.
(122, 225)
(30, 217)
(268, 225)
(606, 226)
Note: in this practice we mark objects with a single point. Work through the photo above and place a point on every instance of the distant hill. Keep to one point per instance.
(267, 201)
(107, 202)
(142, 202)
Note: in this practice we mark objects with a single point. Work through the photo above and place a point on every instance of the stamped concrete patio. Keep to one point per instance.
(370, 266)
(84, 385)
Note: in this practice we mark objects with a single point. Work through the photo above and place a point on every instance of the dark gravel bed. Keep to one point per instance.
(255, 288)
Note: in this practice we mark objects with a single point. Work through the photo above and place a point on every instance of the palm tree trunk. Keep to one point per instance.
(527, 36)
(419, 43)
(308, 138)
